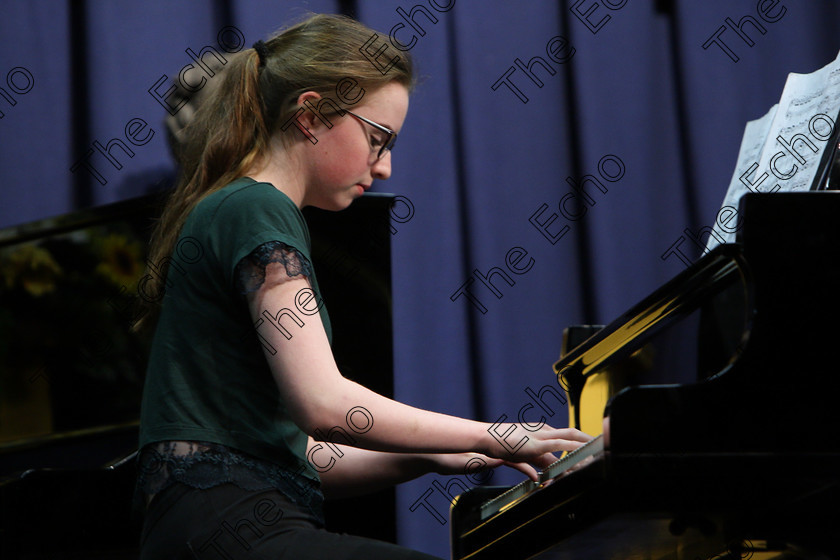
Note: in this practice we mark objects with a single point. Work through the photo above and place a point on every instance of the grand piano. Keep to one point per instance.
(714, 403)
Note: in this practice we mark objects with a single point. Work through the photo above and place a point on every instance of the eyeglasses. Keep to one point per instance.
(389, 142)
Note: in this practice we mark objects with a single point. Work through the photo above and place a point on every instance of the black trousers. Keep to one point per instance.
(226, 522)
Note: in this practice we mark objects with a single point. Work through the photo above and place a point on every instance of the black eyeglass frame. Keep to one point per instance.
(389, 142)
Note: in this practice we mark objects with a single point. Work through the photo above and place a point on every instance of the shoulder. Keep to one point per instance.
(242, 216)
(248, 198)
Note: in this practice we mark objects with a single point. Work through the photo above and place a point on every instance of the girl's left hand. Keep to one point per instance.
(472, 463)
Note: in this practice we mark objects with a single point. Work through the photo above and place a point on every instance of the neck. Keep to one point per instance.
(282, 170)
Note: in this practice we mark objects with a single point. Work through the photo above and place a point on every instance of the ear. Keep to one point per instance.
(308, 118)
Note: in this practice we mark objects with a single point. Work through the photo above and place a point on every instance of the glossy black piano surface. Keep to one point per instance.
(727, 445)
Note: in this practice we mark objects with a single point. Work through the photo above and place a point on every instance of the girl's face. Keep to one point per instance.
(343, 164)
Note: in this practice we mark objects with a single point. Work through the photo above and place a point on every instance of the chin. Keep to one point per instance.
(336, 205)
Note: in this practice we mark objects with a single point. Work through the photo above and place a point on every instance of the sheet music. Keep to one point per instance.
(806, 112)
(752, 144)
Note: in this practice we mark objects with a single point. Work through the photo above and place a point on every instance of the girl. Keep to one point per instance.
(232, 396)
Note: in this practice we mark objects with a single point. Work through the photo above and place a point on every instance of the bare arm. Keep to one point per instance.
(319, 398)
(349, 471)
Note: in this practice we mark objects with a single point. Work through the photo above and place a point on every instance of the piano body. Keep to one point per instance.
(738, 457)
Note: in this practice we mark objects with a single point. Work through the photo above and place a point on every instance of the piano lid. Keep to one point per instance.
(723, 275)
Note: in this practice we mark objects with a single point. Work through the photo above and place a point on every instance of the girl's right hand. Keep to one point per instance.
(514, 445)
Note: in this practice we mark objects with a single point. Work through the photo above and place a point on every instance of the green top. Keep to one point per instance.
(208, 378)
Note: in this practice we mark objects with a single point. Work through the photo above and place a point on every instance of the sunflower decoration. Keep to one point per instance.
(120, 261)
(33, 268)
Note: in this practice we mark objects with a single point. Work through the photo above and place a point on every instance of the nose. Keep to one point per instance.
(381, 168)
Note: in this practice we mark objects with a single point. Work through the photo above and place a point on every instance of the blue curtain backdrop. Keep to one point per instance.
(627, 105)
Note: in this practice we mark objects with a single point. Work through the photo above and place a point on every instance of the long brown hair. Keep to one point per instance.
(232, 130)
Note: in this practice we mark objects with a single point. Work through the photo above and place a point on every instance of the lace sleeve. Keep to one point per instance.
(250, 273)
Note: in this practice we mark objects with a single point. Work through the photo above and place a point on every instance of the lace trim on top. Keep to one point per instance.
(250, 273)
(204, 465)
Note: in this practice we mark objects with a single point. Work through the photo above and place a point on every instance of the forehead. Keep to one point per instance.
(386, 105)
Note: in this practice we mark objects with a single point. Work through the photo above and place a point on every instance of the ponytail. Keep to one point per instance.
(258, 93)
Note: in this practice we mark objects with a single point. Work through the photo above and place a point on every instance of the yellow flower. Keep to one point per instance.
(120, 261)
(34, 268)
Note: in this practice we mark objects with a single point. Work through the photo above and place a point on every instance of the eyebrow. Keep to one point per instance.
(386, 125)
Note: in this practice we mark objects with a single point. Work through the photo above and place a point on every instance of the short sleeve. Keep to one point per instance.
(251, 226)
(250, 272)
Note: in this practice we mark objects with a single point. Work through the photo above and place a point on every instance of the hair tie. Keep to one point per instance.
(262, 52)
